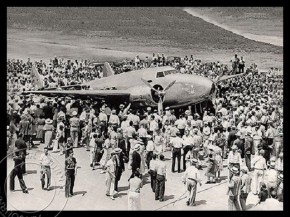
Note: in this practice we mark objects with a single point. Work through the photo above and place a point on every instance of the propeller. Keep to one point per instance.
(159, 93)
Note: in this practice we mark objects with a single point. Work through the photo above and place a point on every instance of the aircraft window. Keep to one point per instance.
(159, 74)
(169, 72)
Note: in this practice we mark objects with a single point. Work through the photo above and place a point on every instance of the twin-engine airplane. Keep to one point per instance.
(155, 87)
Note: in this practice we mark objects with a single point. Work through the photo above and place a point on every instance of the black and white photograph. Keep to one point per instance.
(144, 108)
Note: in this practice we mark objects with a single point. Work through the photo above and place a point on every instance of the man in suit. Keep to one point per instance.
(20, 144)
(17, 171)
(120, 166)
(136, 159)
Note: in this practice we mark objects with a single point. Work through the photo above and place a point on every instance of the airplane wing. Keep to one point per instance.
(82, 93)
(223, 78)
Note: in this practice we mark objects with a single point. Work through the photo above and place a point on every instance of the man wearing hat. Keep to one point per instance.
(234, 158)
(259, 166)
(191, 177)
(74, 128)
(245, 187)
(45, 162)
(120, 166)
(176, 143)
(136, 159)
(17, 171)
(234, 188)
(239, 143)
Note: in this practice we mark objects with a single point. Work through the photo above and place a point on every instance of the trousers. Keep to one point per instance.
(69, 183)
(17, 172)
(153, 175)
(75, 137)
(243, 200)
(191, 190)
(257, 179)
(176, 154)
(45, 171)
(160, 187)
(110, 182)
(233, 203)
(185, 150)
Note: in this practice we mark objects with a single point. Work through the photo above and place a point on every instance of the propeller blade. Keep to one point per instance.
(160, 106)
(149, 85)
(170, 85)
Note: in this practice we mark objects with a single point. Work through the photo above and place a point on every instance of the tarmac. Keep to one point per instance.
(89, 190)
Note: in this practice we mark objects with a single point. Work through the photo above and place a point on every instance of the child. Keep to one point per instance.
(219, 162)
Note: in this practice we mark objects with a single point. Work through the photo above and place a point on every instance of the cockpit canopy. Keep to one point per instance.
(162, 74)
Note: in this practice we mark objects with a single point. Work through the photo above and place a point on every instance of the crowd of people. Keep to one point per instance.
(244, 129)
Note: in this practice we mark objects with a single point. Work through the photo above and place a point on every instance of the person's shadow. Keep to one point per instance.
(168, 197)
(123, 188)
(80, 192)
(200, 202)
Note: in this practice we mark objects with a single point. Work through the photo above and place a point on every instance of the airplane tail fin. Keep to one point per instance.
(107, 70)
(36, 78)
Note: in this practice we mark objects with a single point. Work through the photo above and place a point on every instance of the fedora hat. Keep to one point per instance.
(48, 121)
(234, 147)
(137, 147)
(235, 170)
(117, 150)
(193, 161)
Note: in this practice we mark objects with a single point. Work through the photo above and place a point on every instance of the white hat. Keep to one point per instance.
(235, 170)
(117, 150)
(121, 106)
(48, 121)
(137, 147)
(74, 113)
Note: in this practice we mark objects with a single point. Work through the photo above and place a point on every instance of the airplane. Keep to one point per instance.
(155, 87)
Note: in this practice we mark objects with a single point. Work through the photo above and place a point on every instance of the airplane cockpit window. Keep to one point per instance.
(169, 72)
(159, 74)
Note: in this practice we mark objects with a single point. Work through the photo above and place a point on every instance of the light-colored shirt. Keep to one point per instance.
(234, 158)
(150, 146)
(161, 168)
(187, 140)
(103, 117)
(259, 162)
(45, 160)
(176, 142)
(153, 165)
(135, 184)
(191, 173)
(114, 119)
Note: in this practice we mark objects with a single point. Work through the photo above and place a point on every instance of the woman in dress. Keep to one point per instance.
(110, 175)
(135, 184)
(107, 150)
(48, 129)
(39, 128)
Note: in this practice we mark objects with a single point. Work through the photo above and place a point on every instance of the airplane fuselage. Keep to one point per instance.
(187, 90)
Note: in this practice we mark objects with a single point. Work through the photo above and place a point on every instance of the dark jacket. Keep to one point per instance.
(136, 160)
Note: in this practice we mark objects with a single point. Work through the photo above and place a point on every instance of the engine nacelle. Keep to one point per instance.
(142, 95)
